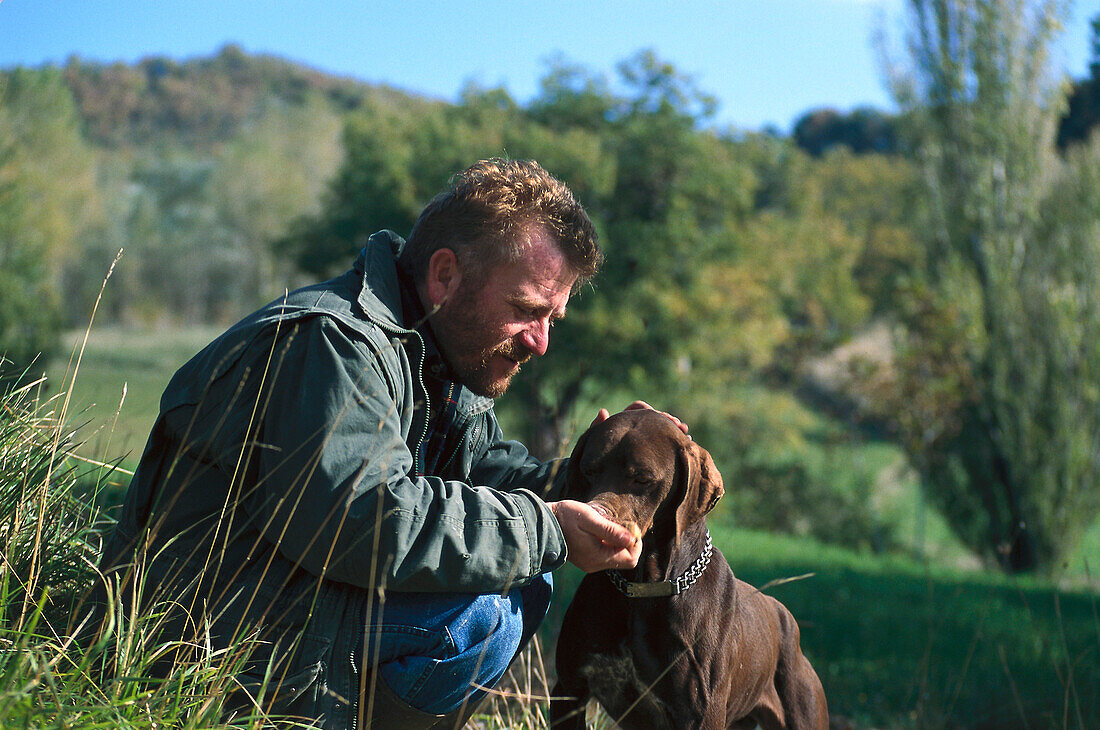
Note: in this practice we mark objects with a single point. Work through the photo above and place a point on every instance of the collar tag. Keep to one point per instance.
(660, 589)
(664, 588)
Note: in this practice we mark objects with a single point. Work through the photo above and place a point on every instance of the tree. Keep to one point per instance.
(1003, 447)
(379, 184)
(863, 130)
(29, 319)
(48, 199)
(272, 171)
(874, 195)
(667, 218)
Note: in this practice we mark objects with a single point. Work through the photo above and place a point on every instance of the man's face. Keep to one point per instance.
(489, 328)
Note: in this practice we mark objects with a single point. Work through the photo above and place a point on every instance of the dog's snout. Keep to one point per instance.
(602, 510)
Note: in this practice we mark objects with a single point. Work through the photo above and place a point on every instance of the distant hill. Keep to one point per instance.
(192, 167)
(203, 101)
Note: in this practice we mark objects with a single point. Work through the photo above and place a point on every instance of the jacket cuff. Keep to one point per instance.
(546, 542)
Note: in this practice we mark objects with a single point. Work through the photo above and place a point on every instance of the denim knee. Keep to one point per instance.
(435, 650)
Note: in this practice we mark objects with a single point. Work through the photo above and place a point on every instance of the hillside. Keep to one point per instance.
(202, 102)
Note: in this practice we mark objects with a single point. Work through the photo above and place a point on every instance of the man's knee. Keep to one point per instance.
(481, 636)
(499, 625)
(492, 629)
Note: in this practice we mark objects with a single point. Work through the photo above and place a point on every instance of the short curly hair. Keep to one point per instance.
(487, 214)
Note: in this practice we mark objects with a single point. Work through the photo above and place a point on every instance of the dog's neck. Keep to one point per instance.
(666, 556)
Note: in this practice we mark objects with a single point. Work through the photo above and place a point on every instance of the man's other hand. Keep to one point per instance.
(604, 414)
(595, 543)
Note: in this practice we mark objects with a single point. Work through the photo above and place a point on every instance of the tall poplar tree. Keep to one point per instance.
(1009, 449)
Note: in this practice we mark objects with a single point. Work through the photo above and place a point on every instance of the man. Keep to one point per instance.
(328, 480)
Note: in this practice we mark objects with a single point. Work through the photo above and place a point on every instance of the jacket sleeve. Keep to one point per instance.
(334, 493)
(510, 467)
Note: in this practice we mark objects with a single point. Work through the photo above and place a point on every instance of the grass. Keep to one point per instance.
(902, 644)
(898, 643)
(122, 374)
(49, 545)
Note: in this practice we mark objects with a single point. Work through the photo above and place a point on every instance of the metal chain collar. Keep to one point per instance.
(658, 589)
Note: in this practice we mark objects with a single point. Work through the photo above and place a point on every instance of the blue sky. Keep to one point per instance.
(767, 61)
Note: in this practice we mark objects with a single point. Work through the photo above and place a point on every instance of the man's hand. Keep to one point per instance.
(603, 415)
(595, 542)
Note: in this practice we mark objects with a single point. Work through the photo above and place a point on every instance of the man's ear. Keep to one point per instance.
(443, 278)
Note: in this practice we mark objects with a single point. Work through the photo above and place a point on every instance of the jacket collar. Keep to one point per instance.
(379, 299)
(380, 292)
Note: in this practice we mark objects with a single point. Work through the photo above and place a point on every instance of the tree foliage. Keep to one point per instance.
(863, 130)
(997, 339)
(47, 197)
(197, 103)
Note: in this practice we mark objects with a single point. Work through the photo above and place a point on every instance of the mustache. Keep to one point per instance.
(515, 351)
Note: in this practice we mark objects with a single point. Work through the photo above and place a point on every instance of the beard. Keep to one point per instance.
(477, 351)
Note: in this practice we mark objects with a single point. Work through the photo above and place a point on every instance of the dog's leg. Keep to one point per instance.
(566, 709)
(769, 713)
(797, 684)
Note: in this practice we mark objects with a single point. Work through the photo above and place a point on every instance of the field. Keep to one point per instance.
(117, 388)
(898, 643)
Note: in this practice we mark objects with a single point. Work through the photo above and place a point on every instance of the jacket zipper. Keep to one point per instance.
(353, 720)
(427, 405)
(387, 327)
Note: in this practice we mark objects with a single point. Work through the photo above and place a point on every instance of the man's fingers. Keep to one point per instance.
(613, 534)
(602, 416)
(623, 561)
(595, 542)
(640, 404)
(606, 556)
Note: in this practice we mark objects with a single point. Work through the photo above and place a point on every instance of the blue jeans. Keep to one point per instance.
(432, 649)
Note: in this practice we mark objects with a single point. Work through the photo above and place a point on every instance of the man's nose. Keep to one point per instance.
(536, 337)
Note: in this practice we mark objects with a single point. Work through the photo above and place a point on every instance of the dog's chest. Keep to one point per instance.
(626, 696)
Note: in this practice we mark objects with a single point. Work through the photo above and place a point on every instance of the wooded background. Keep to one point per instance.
(924, 281)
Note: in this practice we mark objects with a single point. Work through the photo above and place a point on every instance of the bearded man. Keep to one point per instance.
(327, 481)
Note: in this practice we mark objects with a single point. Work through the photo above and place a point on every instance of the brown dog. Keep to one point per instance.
(678, 642)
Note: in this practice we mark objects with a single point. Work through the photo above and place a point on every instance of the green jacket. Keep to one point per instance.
(275, 496)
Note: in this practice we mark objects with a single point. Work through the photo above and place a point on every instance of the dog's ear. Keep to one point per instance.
(702, 486)
(575, 484)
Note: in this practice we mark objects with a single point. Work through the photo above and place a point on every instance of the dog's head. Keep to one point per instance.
(641, 471)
